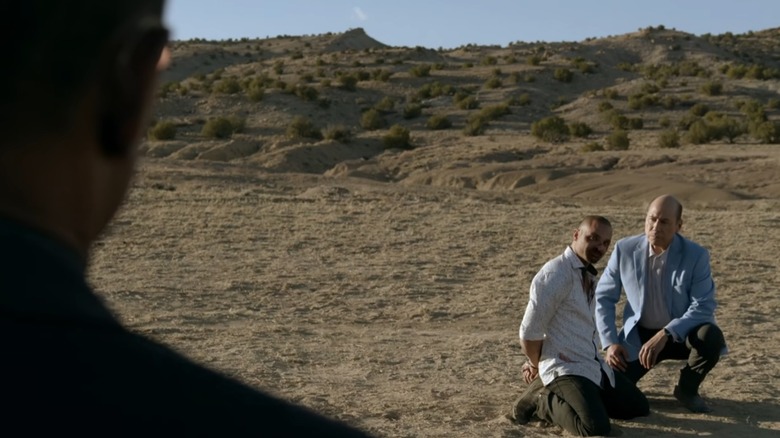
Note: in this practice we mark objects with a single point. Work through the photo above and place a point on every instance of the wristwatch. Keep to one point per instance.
(669, 335)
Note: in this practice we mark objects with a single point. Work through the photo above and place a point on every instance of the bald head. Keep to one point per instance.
(663, 221)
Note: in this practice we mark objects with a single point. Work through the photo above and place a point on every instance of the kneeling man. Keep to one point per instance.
(569, 383)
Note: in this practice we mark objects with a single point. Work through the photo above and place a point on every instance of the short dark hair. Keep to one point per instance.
(51, 51)
(587, 220)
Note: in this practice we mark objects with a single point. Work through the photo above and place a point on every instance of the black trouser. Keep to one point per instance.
(583, 408)
(701, 348)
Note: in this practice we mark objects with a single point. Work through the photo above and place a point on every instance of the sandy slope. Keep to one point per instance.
(395, 307)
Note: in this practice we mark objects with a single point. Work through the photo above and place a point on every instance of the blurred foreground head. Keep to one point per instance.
(77, 81)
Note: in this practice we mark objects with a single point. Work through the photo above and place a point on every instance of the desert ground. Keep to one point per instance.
(385, 287)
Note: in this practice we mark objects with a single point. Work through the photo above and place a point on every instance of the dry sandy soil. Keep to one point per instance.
(395, 307)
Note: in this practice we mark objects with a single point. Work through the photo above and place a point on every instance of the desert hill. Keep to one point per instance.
(324, 104)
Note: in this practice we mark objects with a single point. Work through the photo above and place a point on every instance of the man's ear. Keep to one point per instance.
(127, 92)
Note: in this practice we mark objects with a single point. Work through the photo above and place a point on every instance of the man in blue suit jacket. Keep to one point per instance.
(670, 307)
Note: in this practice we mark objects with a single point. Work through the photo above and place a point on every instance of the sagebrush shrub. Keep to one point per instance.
(618, 140)
(420, 71)
(475, 125)
(592, 147)
(386, 104)
(222, 127)
(551, 129)
(397, 137)
(227, 86)
(162, 130)
(338, 133)
(438, 121)
(412, 110)
(712, 88)
(372, 120)
(302, 127)
(669, 138)
(563, 75)
(579, 129)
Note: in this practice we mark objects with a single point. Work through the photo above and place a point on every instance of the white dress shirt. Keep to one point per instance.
(559, 313)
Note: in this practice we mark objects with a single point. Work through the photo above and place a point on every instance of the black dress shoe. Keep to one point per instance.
(524, 408)
(693, 402)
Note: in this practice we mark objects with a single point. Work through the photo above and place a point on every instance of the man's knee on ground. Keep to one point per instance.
(593, 427)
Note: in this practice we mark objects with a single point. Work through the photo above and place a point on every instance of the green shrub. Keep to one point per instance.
(699, 109)
(563, 75)
(302, 127)
(227, 86)
(618, 140)
(611, 94)
(664, 122)
(669, 138)
(162, 130)
(493, 83)
(494, 112)
(222, 127)
(669, 102)
(534, 60)
(521, 100)
(551, 129)
(712, 88)
(700, 132)
(619, 121)
(348, 82)
(729, 128)
(579, 129)
(338, 133)
(434, 89)
(397, 137)
(470, 102)
(363, 75)
(773, 103)
(766, 132)
(605, 106)
(386, 104)
(636, 123)
(475, 125)
(438, 121)
(489, 60)
(420, 71)
(412, 111)
(372, 120)
(255, 94)
(306, 92)
(592, 147)
(381, 75)
(529, 78)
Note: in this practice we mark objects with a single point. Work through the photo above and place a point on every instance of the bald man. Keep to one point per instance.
(670, 307)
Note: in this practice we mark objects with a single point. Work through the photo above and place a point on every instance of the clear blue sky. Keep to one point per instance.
(451, 23)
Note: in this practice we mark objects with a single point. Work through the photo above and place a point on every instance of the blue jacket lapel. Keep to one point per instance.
(640, 262)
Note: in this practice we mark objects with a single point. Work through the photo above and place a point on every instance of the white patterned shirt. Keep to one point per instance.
(559, 313)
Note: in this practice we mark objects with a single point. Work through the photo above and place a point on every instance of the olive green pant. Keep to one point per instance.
(583, 408)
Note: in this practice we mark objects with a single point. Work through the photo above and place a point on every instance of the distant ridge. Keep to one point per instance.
(353, 39)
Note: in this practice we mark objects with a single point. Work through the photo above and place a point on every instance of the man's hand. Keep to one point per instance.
(617, 357)
(649, 352)
(530, 372)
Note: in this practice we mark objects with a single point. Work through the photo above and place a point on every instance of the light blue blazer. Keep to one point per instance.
(690, 298)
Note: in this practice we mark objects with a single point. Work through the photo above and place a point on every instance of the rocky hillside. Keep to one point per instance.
(486, 117)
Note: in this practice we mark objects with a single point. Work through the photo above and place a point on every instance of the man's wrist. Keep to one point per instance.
(669, 336)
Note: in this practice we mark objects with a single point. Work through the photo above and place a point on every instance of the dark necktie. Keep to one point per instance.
(587, 280)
